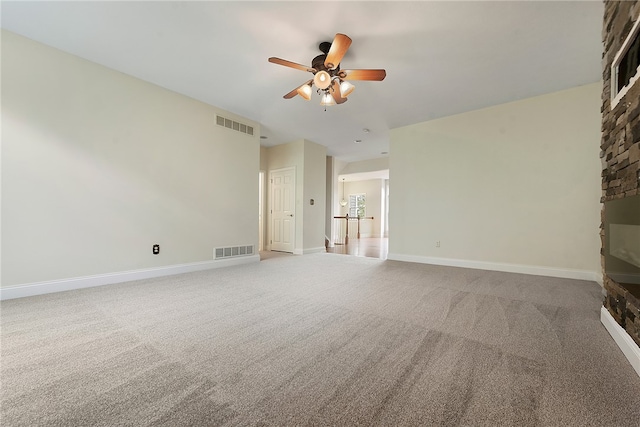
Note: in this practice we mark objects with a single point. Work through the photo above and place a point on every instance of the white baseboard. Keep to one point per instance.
(622, 338)
(314, 250)
(598, 279)
(48, 287)
(564, 273)
(309, 250)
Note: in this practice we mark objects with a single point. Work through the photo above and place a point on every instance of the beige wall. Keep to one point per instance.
(264, 160)
(371, 165)
(309, 160)
(98, 166)
(514, 184)
(264, 167)
(315, 169)
(330, 186)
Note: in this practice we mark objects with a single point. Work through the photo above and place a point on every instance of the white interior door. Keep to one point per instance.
(282, 211)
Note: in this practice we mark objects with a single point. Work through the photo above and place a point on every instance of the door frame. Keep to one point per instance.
(270, 207)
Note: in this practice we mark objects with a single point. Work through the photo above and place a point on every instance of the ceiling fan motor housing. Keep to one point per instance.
(324, 47)
(318, 64)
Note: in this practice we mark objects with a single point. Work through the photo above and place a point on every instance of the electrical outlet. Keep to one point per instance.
(156, 249)
(437, 243)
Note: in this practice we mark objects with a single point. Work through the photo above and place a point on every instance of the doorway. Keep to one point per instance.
(282, 222)
(361, 222)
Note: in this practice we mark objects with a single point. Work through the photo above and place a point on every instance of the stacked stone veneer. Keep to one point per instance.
(620, 150)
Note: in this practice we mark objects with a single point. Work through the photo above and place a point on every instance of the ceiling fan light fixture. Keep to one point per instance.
(322, 80)
(327, 99)
(305, 91)
(346, 88)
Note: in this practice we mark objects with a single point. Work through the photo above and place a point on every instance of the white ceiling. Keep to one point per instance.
(441, 58)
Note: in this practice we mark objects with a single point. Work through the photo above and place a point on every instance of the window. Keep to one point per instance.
(626, 65)
(629, 64)
(357, 205)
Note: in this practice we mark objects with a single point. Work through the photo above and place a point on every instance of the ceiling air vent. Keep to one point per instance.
(233, 125)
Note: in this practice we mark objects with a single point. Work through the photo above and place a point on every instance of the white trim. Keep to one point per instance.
(329, 242)
(297, 251)
(615, 95)
(564, 273)
(622, 338)
(61, 285)
(314, 250)
(270, 206)
(598, 279)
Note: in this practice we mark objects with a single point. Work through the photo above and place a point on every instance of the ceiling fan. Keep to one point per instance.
(331, 82)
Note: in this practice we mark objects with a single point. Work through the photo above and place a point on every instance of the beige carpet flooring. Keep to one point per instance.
(320, 339)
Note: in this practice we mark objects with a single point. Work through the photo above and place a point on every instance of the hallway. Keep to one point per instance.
(372, 247)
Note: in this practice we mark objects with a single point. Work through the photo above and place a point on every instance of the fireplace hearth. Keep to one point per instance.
(622, 242)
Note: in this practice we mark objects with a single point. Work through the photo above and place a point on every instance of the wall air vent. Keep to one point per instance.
(232, 251)
(233, 125)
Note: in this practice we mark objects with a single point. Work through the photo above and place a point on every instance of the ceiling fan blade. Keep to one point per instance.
(375, 75)
(295, 91)
(291, 64)
(335, 92)
(291, 94)
(338, 48)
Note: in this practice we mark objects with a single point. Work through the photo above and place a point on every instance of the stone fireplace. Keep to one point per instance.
(620, 153)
